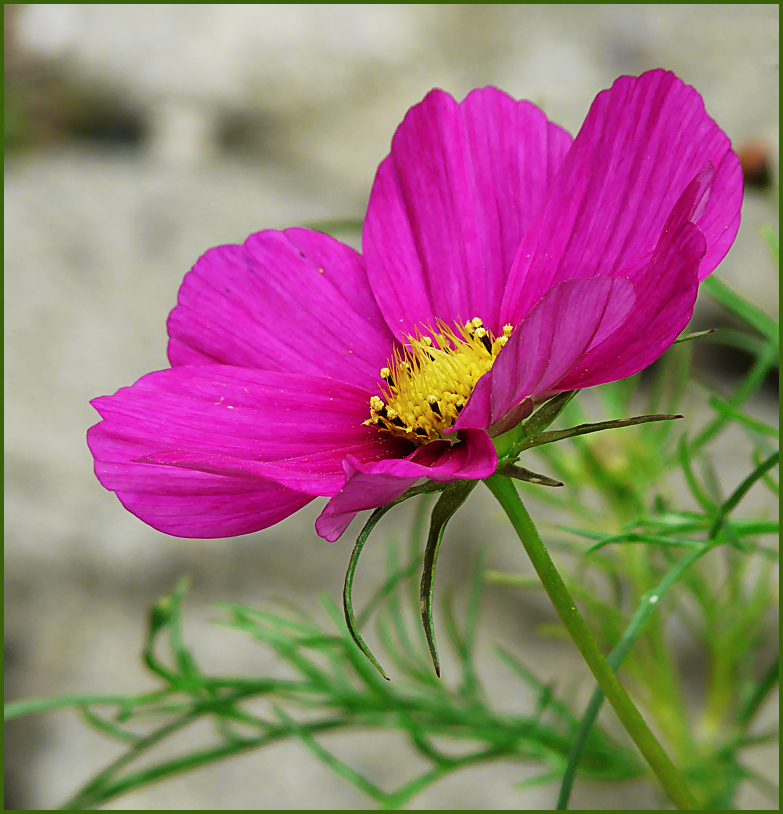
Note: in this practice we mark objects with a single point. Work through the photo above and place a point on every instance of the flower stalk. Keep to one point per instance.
(667, 773)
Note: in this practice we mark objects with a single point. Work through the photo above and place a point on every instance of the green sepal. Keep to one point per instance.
(507, 443)
(697, 335)
(512, 470)
(585, 429)
(454, 495)
(372, 522)
(546, 413)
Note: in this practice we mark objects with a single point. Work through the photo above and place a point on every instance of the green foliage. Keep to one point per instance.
(332, 688)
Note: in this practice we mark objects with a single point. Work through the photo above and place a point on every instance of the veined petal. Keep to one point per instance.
(369, 485)
(344, 269)
(549, 342)
(205, 506)
(451, 203)
(643, 142)
(666, 288)
(241, 426)
(294, 301)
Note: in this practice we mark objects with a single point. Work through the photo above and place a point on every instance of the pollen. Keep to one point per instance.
(430, 378)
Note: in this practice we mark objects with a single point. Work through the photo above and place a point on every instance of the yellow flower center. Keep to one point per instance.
(429, 381)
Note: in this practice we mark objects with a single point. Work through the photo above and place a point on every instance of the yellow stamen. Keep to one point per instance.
(429, 380)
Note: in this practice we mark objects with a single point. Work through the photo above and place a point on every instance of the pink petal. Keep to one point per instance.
(294, 301)
(666, 288)
(181, 435)
(369, 485)
(451, 202)
(643, 142)
(571, 318)
(195, 511)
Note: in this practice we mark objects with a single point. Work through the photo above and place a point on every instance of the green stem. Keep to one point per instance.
(646, 608)
(670, 778)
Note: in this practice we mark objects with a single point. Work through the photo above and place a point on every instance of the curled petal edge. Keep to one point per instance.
(369, 485)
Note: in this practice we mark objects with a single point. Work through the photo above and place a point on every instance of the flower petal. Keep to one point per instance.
(240, 426)
(643, 142)
(666, 288)
(369, 485)
(571, 318)
(294, 301)
(451, 202)
(195, 510)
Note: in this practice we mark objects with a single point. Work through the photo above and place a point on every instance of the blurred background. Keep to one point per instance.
(138, 136)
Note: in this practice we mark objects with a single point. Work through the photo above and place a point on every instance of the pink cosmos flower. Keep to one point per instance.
(504, 262)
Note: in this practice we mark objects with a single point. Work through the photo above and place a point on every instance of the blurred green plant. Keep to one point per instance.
(332, 688)
(653, 543)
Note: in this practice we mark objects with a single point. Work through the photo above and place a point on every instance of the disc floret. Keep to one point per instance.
(430, 378)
